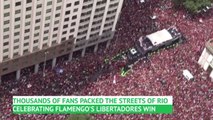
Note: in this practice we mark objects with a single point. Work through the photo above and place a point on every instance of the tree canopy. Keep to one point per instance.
(193, 5)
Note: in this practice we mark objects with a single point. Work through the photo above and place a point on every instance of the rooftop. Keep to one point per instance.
(159, 37)
(209, 45)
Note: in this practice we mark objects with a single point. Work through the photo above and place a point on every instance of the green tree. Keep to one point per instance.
(190, 5)
(193, 5)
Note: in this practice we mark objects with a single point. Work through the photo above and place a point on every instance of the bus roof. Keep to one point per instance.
(159, 37)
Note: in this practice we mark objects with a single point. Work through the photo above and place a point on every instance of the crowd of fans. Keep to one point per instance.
(160, 74)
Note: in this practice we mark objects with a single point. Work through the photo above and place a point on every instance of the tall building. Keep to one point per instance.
(206, 58)
(34, 31)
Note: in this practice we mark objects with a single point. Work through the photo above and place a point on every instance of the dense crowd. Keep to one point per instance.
(161, 74)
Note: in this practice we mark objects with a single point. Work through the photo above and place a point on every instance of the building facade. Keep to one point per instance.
(33, 31)
(206, 58)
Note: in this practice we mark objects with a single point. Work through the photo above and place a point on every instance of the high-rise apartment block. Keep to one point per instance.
(33, 31)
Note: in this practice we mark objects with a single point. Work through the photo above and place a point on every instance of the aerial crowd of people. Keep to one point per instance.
(160, 74)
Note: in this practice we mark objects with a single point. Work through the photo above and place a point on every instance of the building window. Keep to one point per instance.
(48, 11)
(56, 22)
(47, 18)
(88, 6)
(49, 3)
(35, 41)
(67, 13)
(63, 39)
(6, 14)
(5, 57)
(25, 51)
(74, 17)
(6, 36)
(46, 31)
(71, 36)
(28, 8)
(6, 29)
(27, 23)
(15, 54)
(76, 9)
(86, 1)
(66, 19)
(65, 32)
(113, 11)
(15, 47)
(76, 3)
(37, 27)
(45, 38)
(6, 22)
(26, 37)
(72, 24)
(17, 19)
(28, 16)
(27, 30)
(47, 25)
(65, 26)
(16, 40)
(38, 13)
(6, 43)
(53, 42)
(55, 29)
(58, 8)
(5, 50)
(69, 5)
(101, 2)
(38, 20)
(86, 13)
(57, 15)
(113, 5)
(7, 6)
(17, 11)
(18, 3)
(72, 30)
(36, 34)
(45, 45)
(17, 26)
(100, 9)
(29, 1)
(26, 44)
(58, 1)
(39, 6)
(55, 35)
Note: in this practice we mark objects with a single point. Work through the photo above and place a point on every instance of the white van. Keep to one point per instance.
(188, 75)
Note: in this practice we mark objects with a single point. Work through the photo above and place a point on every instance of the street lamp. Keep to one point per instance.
(153, 18)
(45, 60)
